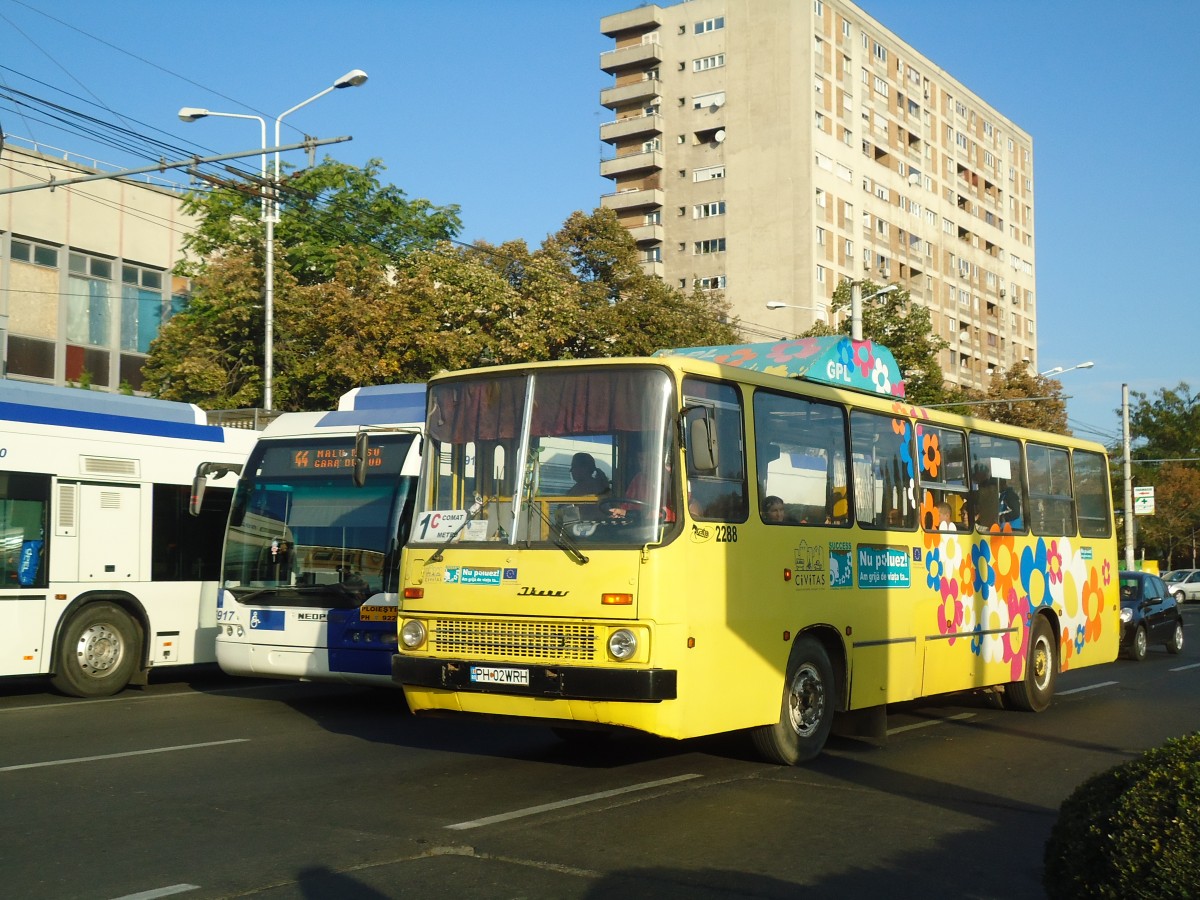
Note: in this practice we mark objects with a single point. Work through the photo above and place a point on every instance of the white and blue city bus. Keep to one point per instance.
(103, 575)
(311, 557)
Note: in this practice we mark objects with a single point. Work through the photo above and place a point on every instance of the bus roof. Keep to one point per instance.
(382, 404)
(44, 404)
(837, 361)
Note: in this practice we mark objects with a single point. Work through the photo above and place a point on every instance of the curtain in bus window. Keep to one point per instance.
(597, 402)
(481, 410)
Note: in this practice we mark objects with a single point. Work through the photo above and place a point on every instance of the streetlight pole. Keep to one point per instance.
(1058, 370)
(270, 215)
(856, 302)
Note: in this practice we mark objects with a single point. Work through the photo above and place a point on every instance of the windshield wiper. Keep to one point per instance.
(561, 540)
(472, 512)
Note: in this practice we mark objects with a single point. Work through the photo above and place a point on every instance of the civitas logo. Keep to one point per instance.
(535, 592)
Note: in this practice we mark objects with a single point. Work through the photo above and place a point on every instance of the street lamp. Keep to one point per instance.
(779, 304)
(270, 213)
(856, 302)
(1058, 370)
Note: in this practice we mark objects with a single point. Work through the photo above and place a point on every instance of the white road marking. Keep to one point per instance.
(1184, 668)
(133, 698)
(938, 721)
(168, 891)
(1087, 687)
(82, 759)
(575, 801)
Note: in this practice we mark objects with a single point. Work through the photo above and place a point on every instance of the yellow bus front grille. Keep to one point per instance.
(537, 641)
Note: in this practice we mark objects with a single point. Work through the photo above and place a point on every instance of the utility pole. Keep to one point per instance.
(1128, 467)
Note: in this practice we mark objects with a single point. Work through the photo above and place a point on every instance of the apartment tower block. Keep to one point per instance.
(771, 149)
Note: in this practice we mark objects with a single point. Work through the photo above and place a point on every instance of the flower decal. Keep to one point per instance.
(1054, 563)
(1005, 561)
(950, 612)
(864, 357)
(931, 454)
(880, 377)
(985, 575)
(785, 351)
(1016, 640)
(934, 569)
(1034, 577)
(1093, 607)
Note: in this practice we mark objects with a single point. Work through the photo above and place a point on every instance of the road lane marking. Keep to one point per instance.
(1184, 668)
(561, 804)
(938, 721)
(83, 759)
(168, 891)
(132, 698)
(1087, 687)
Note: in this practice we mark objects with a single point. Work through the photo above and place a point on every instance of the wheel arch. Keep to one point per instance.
(835, 648)
(123, 599)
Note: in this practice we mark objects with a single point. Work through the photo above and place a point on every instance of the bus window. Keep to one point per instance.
(801, 458)
(884, 478)
(23, 501)
(1051, 507)
(718, 494)
(997, 494)
(943, 466)
(1091, 492)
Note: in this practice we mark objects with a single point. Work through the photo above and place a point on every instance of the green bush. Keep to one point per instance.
(1131, 831)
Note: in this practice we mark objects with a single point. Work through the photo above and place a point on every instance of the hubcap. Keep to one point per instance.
(1140, 640)
(1041, 663)
(99, 650)
(806, 700)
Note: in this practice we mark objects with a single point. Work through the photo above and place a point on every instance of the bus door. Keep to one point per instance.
(24, 506)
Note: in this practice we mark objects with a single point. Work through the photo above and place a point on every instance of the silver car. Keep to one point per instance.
(1183, 584)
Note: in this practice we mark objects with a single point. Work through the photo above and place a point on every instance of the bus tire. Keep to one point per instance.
(98, 651)
(806, 713)
(1034, 692)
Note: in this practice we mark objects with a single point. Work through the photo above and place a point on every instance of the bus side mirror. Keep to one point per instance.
(197, 498)
(360, 458)
(702, 441)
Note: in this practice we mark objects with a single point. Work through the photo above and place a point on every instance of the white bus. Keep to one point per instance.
(311, 557)
(103, 575)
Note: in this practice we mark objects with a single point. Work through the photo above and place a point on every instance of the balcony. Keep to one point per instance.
(633, 163)
(647, 234)
(624, 94)
(644, 17)
(653, 267)
(631, 200)
(633, 126)
(644, 55)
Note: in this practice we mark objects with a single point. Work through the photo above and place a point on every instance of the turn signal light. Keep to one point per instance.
(414, 593)
(616, 599)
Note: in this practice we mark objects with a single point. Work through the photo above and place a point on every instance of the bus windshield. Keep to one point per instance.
(302, 534)
(578, 456)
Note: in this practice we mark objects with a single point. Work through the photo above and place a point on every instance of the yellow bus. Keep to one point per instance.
(782, 538)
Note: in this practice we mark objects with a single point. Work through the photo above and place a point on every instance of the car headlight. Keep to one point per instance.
(412, 635)
(622, 644)
(1126, 615)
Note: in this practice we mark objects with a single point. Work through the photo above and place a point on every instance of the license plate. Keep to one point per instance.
(494, 675)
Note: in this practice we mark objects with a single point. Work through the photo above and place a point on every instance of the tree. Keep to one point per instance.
(1167, 426)
(322, 208)
(906, 329)
(1039, 405)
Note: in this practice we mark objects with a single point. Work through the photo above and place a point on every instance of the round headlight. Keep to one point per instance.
(622, 643)
(1126, 614)
(412, 635)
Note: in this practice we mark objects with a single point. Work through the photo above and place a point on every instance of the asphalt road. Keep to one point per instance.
(200, 786)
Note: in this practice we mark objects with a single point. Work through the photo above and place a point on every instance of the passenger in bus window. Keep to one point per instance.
(985, 497)
(945, 517)
(1010, 509)
(774, 510)
(589, 480)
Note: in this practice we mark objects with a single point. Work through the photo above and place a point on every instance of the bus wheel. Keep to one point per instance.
(806, 714)
(1034, 692)
(98, 651)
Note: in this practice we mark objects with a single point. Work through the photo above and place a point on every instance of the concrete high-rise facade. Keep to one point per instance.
(774, 148)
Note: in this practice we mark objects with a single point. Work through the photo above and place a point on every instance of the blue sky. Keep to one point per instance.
(494, 106)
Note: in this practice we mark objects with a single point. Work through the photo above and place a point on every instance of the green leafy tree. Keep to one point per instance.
(1167, 425)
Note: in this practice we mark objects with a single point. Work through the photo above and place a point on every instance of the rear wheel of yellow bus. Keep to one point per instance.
(806, 714)
(1035, 691)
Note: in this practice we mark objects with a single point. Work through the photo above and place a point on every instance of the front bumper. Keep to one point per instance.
(556, 682)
